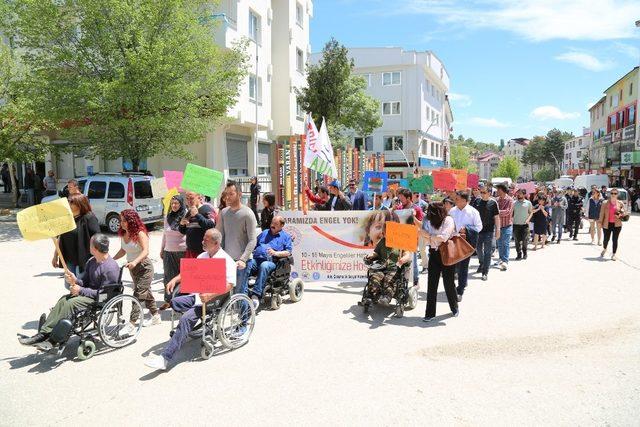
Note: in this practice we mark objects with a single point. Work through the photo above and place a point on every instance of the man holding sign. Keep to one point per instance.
(191, 305)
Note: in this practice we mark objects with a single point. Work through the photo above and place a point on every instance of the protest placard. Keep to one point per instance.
(46, 220)
(375, 182)
(202, 180)
(159, 187)
(529, 186)
(473, 180)
(460, 175)
(423, 184)
(401, 236)
(393, 186)
(444, 180)
(166, 200)
(173, 179)
(203, 276)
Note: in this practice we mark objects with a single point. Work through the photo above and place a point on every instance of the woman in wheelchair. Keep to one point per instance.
(100, 270)
(382, 284)
(191, 305)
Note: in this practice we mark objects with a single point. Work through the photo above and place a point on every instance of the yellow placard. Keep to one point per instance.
(401, 236)
(46, 220)
(166, 201)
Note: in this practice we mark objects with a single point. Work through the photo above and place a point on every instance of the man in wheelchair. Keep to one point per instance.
(191, 305)
(100, 270)
(385, 265)
(271, 244)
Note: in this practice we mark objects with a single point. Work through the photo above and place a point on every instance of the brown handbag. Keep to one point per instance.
(455, 250)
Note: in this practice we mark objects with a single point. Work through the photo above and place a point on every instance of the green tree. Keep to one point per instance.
(338, 96)
(509, 167)
(21, 138)
(534, 153)
(544, 175)
(501, 144)
(461, 159)
(130, 78)
(554, 147)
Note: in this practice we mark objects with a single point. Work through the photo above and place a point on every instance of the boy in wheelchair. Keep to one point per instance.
(100, 270)
(385, 273)
(191, 305)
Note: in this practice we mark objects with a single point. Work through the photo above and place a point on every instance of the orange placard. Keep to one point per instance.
(461, 177)
(401, 236)
(393, 186)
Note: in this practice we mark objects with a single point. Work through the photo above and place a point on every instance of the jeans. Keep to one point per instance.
(521, 236)
(186, 305)
(483, 249)
(556, 229)
(462, 268)
(242, 281)
(435, 268)
(503, 243)
(261, 270)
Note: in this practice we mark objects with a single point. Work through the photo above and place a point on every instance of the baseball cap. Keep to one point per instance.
(335, 183)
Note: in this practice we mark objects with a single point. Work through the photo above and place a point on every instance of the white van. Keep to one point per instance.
(501, 180)
(586, 181)
(565, 181)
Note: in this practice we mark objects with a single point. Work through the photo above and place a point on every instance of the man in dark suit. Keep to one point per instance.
(357, 197)
(337, 201)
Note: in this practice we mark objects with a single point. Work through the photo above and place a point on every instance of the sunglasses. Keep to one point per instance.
(483, 192)
(614, 193)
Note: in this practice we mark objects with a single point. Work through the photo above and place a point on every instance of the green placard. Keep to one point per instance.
(202, 180)
(424, 184)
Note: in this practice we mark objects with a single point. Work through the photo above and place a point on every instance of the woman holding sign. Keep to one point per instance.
(437, 228)
(74, 244)
(135, 245)
(174, 243)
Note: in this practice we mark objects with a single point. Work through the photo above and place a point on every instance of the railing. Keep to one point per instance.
(245, 184)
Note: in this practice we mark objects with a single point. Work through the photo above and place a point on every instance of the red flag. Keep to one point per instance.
(130, 192)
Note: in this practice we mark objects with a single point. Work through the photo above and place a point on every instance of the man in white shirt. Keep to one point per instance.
(191, 305)
(468, 223)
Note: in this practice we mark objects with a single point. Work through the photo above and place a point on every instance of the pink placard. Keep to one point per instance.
(529, 186)
(173, 179)
(473, 180)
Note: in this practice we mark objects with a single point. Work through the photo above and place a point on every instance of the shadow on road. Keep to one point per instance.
(9, 232)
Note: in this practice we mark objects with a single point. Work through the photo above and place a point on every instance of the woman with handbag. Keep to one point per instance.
(612, 214)
(437, 229)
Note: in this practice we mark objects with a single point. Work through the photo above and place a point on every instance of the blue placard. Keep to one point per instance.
(404, 183)
(375, 182)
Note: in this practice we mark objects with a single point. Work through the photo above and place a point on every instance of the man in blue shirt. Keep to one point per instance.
(271, 243)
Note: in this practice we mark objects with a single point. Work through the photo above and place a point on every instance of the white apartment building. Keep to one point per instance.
(266, 111)
(515, 147)
(574, 151)
(411, 87)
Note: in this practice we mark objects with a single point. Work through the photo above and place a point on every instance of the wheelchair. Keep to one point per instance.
(279, 284)
(229, 322)
(406, 295)
(103, 320)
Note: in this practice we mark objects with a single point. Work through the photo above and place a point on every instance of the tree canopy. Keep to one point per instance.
(509, 167)
(130, 78)
(546, 150)
(461, 159)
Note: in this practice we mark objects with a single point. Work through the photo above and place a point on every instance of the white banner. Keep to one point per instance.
(331, 245)
(318, 154)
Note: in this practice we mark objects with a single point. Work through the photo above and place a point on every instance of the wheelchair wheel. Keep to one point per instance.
(236, 321)
(412, 301)
(296, 289)
(206, 351)
(114, 316)
(86, 349)
(276, 301)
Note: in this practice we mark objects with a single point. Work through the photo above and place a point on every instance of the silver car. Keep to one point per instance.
(111, 193)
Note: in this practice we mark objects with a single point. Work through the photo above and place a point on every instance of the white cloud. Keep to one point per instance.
(547, 112)
(627, 49)
(460, 99)
(585, 60)
(487, 123)
(536, 20)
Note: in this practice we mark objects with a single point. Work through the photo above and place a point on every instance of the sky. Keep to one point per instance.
(518, 68)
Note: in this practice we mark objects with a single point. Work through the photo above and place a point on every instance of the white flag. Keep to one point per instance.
(319, 153)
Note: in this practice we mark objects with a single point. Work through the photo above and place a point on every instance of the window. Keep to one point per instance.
(97, 190)
(254, 26)
(237, 155)
(367, 77)
(632, 114)
(391, 108)
(630, 88)
(621, 119)
(392, 143)
(391, 78)
(116, 190)
(264, 156)
(299, 14)
(255, 88)
(299, 112)
(142, 189)
(363, 143)
(299, 60)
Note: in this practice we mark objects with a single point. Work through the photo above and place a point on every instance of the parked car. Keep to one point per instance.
(501, 180)
(111, 193)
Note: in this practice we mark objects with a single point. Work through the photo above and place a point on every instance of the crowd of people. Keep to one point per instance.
(487, 218)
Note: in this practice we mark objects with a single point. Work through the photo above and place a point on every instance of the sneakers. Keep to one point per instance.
(155, 320)
(599, 243)
(427, 319)
(384, 301)
(503, 266)
(613, 257)
(604, 251)
(156, 362)
(256, 301)
(456, 313)
(128, 329)
(484, 277)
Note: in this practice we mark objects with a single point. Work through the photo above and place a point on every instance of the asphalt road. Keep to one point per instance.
(553, 340)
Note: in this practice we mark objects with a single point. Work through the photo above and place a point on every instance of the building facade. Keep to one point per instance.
(487, 163)
(515, 147)
(411, 87)
(266, 110)
(575, 158)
